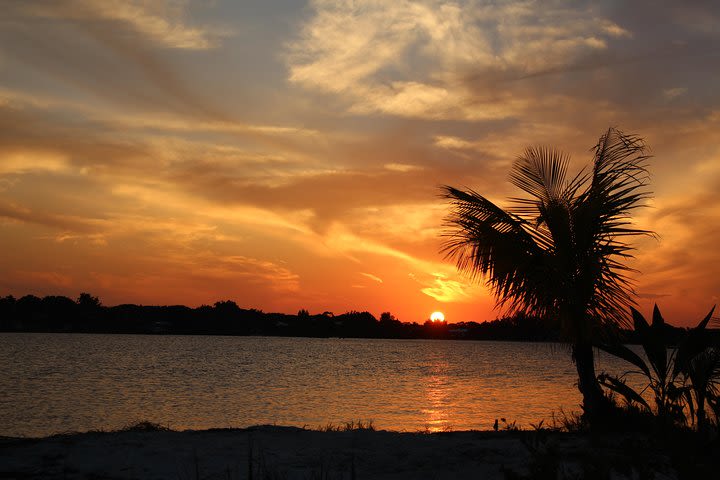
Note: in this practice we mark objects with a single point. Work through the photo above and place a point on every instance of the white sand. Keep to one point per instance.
(293, 453)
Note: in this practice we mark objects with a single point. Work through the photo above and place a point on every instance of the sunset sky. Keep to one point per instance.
(288, 155)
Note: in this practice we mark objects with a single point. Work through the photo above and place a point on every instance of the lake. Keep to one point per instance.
(52, 383)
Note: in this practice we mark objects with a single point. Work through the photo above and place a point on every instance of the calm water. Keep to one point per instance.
(52, 383)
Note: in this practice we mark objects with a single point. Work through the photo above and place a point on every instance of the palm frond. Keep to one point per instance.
(564, 244)
(621, 351)
(653, 341)
(486, 241)
(694, 342)
(618, 180)
(540, 172)
(601, 221)
(621, 387)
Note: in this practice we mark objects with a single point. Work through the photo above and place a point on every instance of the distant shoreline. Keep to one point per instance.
(259, 335)
(56, 314)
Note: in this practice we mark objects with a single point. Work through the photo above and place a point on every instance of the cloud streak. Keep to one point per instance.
(160, 21)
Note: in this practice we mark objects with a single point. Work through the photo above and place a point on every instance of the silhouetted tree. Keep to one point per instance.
(435, 329)
(227, 307)
(8, 306)
(29, 306)
(357, 324)
(60, 309)
(559, 252)
(29, 301)
(87, 301)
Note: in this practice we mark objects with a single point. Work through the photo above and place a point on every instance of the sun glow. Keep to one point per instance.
(437, 317)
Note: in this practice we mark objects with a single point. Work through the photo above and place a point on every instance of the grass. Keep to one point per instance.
(347, 426)
(145, 426)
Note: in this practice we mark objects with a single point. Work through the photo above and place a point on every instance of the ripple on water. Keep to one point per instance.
(70, 382)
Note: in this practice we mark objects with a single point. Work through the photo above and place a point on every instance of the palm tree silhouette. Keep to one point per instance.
(560, 252)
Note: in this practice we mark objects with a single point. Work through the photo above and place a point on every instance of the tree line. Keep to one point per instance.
(87, 314)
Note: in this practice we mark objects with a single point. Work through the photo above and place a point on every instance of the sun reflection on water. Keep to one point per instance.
(437, 392)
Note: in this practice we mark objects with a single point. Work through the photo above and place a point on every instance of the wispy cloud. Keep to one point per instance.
(444, 289)
(53, 279)
(161, 21)
(105, 52)
(675, 92)
(402, 167)
(372, 277)
(64, 223)
(30, 160)
(248, 270)
(410, 58)
(438, 280)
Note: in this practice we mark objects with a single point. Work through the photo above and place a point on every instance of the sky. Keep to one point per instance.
(288, 155)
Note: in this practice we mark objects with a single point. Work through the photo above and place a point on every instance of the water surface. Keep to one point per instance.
(53, 383)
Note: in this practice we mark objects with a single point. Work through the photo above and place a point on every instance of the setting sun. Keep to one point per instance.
(437, 317)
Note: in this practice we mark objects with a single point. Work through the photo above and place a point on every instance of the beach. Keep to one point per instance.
(275, 452)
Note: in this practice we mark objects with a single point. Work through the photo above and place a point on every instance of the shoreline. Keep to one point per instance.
(279, 452)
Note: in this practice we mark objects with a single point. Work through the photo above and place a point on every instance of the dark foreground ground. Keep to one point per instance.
(293, 453)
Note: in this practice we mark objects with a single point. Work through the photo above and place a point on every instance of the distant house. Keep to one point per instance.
(458, 332)
(160, 327)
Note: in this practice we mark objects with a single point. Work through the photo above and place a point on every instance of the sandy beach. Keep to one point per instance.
(273, 452)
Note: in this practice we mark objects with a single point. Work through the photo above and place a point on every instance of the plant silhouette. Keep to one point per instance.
(688, 377)
(659, 369)
(560, 251)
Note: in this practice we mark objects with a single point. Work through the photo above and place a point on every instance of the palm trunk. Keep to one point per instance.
(595, 404)
(700, 414)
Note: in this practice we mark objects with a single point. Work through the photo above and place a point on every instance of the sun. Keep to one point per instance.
(437, 317)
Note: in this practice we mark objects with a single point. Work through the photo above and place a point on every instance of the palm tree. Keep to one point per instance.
(559, 252)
